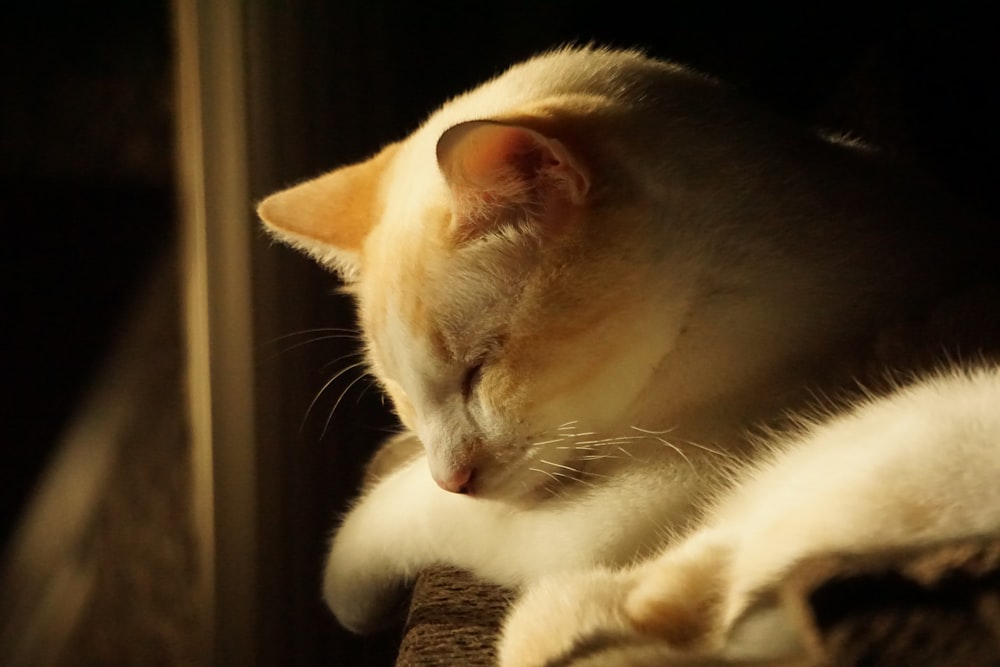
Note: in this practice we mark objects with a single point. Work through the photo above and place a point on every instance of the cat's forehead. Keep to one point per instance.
(429, 309)
(424, 303)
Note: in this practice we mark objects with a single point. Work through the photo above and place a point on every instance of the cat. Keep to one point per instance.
(913, 468)
(583, 285)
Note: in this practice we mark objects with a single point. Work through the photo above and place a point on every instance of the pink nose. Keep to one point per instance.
(457, 481)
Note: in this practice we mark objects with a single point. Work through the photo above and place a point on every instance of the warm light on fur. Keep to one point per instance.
(582, 284)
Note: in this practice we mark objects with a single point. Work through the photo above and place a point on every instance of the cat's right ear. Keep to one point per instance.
(329, 217)
(495, 170)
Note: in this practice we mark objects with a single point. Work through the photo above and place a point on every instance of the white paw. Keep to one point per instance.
(559, 611)
(365, 595)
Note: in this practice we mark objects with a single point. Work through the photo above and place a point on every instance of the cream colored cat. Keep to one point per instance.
(581, 284)
(914, 468)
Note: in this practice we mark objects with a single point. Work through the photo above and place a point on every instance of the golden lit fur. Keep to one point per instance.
(581, 284)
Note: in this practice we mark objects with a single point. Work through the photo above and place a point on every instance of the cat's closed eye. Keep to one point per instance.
(490, 350)
(470, 380)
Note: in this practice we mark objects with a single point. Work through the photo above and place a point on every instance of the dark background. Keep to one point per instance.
(86, 200)
(87, 194)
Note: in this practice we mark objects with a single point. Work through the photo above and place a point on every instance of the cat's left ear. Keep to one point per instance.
(496, 170)
(329, 217)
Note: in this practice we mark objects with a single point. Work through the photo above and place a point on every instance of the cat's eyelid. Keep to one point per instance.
(487, 348)
(487, 352)
(471, 377)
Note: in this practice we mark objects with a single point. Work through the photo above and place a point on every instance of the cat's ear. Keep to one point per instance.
(329, 217)
(496, 170)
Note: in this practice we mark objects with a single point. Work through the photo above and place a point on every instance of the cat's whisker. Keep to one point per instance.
(294, 346)
(598, 457)
(609, 441)
(547, 473)
(554, 492)
(568, 424)
(674, 447)
(548, 442)
(558, 465)
(619, 441)
(649, 432)
(708, 449)
(576, 471)
(320, 337)
(316, 335)
(574, 479)
(372, 382)
(345, 357)
(310, 341)
(323, 389)
(333, 331)
(690, 443)
(333, 410)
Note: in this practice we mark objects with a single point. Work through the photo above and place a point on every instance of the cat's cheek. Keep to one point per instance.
(407, 415)
(401, 403)
(501, 404)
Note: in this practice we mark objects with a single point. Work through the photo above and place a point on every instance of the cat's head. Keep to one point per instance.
(498, 273)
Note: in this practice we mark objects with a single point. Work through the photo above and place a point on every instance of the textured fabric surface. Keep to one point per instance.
(453, 621)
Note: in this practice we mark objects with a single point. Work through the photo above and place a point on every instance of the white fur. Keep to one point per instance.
(382, 540)
(917, 467)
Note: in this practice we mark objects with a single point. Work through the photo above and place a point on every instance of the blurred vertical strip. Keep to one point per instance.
(216, 238)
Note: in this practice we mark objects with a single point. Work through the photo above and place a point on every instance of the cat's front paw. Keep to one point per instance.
(384, 540)
(364, 594)
(666, 611)
(679, 597)
(561, 612)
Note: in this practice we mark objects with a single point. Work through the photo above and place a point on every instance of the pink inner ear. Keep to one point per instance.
(489, 165)
(497, 149)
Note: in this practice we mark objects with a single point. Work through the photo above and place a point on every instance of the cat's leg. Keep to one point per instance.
(404, 523)
(382, 543)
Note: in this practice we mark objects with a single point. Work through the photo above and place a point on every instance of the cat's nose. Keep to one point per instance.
(457, 481)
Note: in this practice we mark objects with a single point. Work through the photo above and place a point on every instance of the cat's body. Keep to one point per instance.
(917, 467)
(582, 284)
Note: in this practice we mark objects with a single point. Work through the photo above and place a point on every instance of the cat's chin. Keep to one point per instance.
(511, 490)
(520, 488)
(534, 475)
